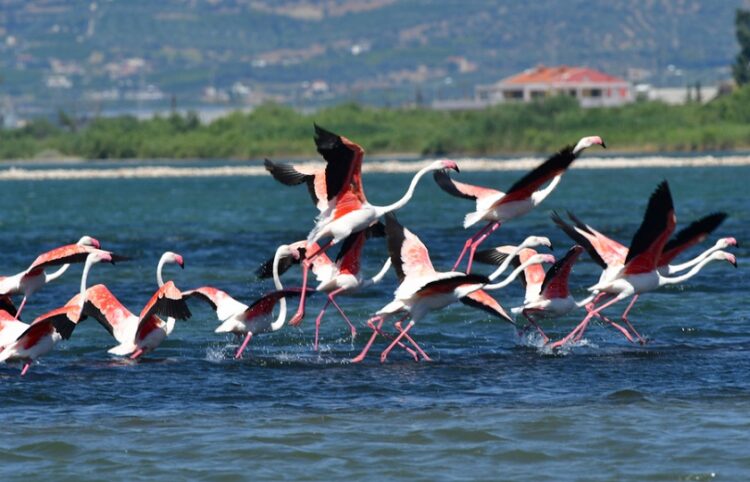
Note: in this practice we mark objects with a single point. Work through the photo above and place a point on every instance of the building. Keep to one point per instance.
(591, 87)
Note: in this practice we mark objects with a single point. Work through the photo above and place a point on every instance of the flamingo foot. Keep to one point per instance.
(26, 367)
(375, 330)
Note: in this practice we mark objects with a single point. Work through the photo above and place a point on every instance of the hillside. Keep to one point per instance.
(57, 52)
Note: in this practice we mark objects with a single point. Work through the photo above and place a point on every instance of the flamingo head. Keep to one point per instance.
(587, 142)
(543, 258)
(170, 257)
(298, 250)
(726, 242)
(89, 241)
(533, 241)
(728, 257)
(444, 164)
(97, 256)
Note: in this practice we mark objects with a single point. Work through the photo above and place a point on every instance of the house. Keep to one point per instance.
(591, 87)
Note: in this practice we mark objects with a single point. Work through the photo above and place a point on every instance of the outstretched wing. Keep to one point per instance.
(482, 300)
(695, 233)
(555, 283)
(220, 301)
(291, 176)
(409, 255)
(167, 301)
(343, 163)
(658, 224)
(63, 320)
(524, 187)
(105, 308)
(460, 189)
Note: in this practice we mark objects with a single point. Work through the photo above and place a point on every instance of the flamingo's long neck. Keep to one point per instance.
(676, 268)
(539, 196)
(53, 276)
(378, 277)
(663, 280)
(507, 261)
(85, 275)
(281, 319)
(159, 268)
(513, 275)
(381, 210)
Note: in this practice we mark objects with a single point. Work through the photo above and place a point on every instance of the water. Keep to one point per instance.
(489, 407)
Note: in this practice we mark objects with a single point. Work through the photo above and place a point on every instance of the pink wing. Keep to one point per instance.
(534, 274)
(224, 305)
(71, 253)
(166, 301)
(480, 299)
(460, 189)
(556, 280)
(102, 305)
(612, 252)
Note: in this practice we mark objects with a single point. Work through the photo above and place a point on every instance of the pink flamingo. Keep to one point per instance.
(497, 207)
(611, 255)
(338, 277)
(38, 338)
(547, 294)
(423, 289)
(248, 321)
(640, 272)
(351, 214)
(34, 277)
(141, 334)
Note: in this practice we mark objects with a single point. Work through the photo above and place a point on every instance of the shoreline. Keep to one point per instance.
(74, 171)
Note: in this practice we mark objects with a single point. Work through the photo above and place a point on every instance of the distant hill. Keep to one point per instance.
(139, 52)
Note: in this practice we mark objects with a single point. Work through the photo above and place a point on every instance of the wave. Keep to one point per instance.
(78, 172)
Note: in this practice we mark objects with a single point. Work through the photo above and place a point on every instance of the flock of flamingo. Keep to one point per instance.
(347, 218)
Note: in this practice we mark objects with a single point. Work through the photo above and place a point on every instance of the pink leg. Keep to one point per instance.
(403, 333)
(641, 340)
(20, 308)
(375, 331)
(414, 343)
(238, 355)
(297, 318)
(582, 326)
(533, 323)
(596, 300)
(476, 244)
(351, 326)
(317, 322)
(468, 244)
(136, 354)
(25, 368)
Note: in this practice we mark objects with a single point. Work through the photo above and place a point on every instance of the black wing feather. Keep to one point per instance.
(549, 276)
(559, 161)
(445, 183)
(578, 237)
(338, 157)
(394, 234)
(659, 206)
(702, 227)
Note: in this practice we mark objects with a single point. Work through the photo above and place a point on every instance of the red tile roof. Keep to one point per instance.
(561, 75)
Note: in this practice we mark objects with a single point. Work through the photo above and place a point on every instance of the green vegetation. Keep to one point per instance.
(274, 131)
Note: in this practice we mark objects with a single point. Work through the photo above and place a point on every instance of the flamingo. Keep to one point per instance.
(38, 338)
(640, 272)
(497, 207)
(141, 334)
(547, 294)
(351, 213)
(423, 289)
(337, 277)
(34, 277)
(611, 255)
(247, 321)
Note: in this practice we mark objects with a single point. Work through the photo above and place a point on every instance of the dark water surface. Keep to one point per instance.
(491, 406)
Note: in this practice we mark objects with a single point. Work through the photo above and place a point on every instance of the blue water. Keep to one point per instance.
(490, 407)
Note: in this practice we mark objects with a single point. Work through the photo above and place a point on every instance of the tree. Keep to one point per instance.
(741, 67)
